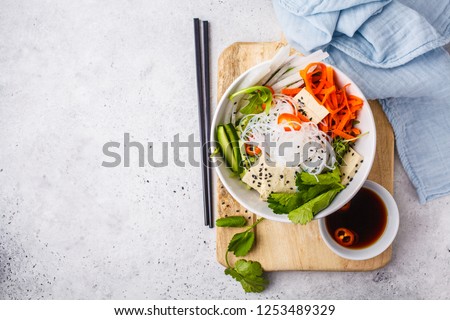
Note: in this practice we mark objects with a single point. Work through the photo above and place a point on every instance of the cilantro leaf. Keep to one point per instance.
(307, 211)
(313, 191)
(302, 214)
(323, 178)
(284, 202)
(249, 274)
(241, 243)
(234, 221)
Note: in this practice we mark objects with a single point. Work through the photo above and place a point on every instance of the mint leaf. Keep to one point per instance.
(241, 243)
(249, 274)
(235, 221)
(307, 211)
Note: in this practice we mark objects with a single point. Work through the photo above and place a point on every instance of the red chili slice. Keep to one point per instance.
(346, 206)
(345, 237)
(252, 150)
(289, 121)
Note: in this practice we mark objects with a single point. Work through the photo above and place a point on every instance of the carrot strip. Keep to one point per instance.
(320, 83)
(306, 79)
(330, 76)
(344, 120)
(343, 135)
(327, 93)
(290, 92)
(356, 131)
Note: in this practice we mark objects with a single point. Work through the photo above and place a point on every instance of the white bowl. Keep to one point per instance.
(385, 239)
(250, 198)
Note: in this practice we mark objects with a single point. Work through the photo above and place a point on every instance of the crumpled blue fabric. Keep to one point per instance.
(393, 51)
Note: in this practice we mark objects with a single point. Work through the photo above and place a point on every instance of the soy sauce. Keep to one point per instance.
(366, 216)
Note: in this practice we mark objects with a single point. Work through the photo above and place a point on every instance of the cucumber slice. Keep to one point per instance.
(234, 139)
(225, 146)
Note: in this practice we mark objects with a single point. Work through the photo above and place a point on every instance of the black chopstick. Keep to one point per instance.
(203, 93)
(206, 85)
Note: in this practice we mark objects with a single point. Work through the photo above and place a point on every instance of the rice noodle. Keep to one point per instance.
(309, 148)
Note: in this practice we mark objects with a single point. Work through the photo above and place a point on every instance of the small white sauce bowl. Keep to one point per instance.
(380, 245)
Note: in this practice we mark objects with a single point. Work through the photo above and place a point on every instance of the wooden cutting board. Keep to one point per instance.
(284, 246)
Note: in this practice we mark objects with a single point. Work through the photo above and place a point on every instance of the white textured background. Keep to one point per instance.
(77, 74)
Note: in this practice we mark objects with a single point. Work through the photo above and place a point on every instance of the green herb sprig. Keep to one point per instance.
(249, 274)
(314, 193)
(257, 96)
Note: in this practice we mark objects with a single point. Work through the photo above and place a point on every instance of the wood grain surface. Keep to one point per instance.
(283, 246)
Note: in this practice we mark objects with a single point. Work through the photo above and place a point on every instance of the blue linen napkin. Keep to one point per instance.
(393, 51)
